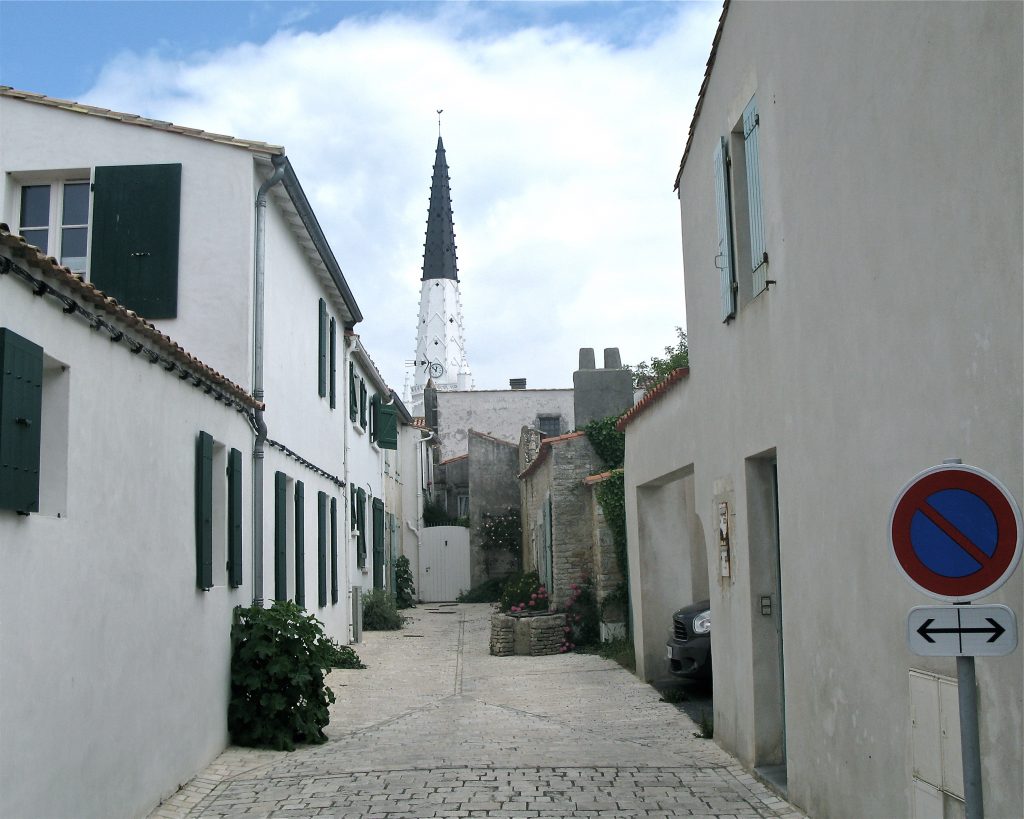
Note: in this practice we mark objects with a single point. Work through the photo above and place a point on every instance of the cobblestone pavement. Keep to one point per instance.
(436, 727)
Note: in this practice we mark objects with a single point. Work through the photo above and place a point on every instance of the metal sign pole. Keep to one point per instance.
(970, 746)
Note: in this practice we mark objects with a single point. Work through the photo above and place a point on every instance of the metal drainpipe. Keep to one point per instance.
(279, 162)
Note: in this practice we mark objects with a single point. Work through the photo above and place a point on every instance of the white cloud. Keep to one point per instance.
(562, 149)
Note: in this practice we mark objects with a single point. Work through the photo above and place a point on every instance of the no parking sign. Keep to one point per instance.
(955, 532)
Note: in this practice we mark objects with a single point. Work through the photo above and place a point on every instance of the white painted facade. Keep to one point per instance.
(891, 184)
(114, 680)
(308, 442)
(498, 413)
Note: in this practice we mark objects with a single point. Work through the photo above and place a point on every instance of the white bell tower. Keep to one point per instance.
(440, 345)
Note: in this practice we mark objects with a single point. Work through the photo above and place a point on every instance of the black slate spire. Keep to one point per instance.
(439, 250)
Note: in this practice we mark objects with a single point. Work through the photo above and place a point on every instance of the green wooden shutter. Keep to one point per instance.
(387, 426)
(334, 550)
(322, 357)
(723, 261)
(374, 407)
(21, 412)
(353, 518)
(280, 536)
(204, 511)
(378, 543)
(234, 518)
(334, 363)
(321, 547)
(362, 403)
(134, 256)
(300, 545)
(361, 518)
(353, 407)
(758, 253)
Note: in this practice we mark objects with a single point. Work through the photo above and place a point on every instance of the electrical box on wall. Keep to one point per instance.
(724, 568)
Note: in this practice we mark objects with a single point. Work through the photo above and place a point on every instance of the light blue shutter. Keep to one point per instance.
(723, 261)
(758, 254)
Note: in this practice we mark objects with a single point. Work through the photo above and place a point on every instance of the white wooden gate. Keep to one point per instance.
(444, 563)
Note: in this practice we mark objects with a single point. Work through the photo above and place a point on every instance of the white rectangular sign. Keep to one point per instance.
(961, 631)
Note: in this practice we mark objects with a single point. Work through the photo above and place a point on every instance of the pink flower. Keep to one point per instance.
(533, 602)
(573, 586)
(533, 596)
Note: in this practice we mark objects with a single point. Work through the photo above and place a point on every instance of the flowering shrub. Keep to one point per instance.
(582, 623)
(502, 532)
(524, 593)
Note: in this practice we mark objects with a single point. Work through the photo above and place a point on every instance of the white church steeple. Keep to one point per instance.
(440, 346)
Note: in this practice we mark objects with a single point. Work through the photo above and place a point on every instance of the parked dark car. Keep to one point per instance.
(689, 644)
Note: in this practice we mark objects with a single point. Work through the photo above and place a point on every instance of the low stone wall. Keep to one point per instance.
(529, 635)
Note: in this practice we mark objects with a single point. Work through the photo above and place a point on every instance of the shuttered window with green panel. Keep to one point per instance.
(321, 547)
(136, 220)
(361, 522)
(204, 511)
(322, 356)
(280, 536)
(353, 397)
(378, 543)
(387, 426)
(300, 544)
(334, 550)
(21, 407)
(234, 518)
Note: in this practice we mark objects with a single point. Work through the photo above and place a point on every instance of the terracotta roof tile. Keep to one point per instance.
(453, 460)
(54, 273)
(653, 395)
(135, 119)
(590, 480)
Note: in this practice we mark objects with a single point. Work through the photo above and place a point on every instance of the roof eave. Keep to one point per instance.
(312, 226)
(702, 92)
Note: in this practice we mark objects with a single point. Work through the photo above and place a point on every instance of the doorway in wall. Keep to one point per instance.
(767, 595)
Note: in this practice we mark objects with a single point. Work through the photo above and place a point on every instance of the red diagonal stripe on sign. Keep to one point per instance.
(954, 534)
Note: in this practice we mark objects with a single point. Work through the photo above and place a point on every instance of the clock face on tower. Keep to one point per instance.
(436, 369)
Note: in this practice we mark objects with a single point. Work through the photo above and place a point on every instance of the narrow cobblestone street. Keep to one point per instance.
(436, 727)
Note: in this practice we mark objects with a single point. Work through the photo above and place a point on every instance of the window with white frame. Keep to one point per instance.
(54, 216)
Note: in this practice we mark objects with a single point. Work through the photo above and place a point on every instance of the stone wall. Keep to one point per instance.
(533, 636)
(598, 393)
(572, 524)
(493, 489)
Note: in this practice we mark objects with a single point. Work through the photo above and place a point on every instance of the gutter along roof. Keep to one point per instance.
(72, 289)
(299, 212)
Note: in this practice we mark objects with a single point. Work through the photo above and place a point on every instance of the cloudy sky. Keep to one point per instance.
(563, 125)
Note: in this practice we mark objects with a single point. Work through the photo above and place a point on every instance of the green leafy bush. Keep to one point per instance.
(434, 514)
(278, 659)
(503, 532)
(405, 591)
(524, 593)
(380, 612)
(344, 657)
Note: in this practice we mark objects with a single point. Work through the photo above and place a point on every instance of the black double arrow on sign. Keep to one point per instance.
(996, 630)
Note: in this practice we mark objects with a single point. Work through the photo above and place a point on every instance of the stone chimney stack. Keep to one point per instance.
(600, 393)
(517, 383)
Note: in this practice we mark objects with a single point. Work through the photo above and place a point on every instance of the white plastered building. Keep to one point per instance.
(212, 240)
(851, 206)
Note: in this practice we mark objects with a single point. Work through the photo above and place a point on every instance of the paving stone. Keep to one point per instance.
(439, 727)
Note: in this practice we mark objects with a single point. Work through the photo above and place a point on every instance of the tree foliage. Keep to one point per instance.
(648, 374)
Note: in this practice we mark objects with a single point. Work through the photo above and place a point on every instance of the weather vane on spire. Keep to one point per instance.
(439, 112)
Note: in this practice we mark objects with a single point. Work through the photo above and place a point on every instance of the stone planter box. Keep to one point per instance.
(530, 635)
